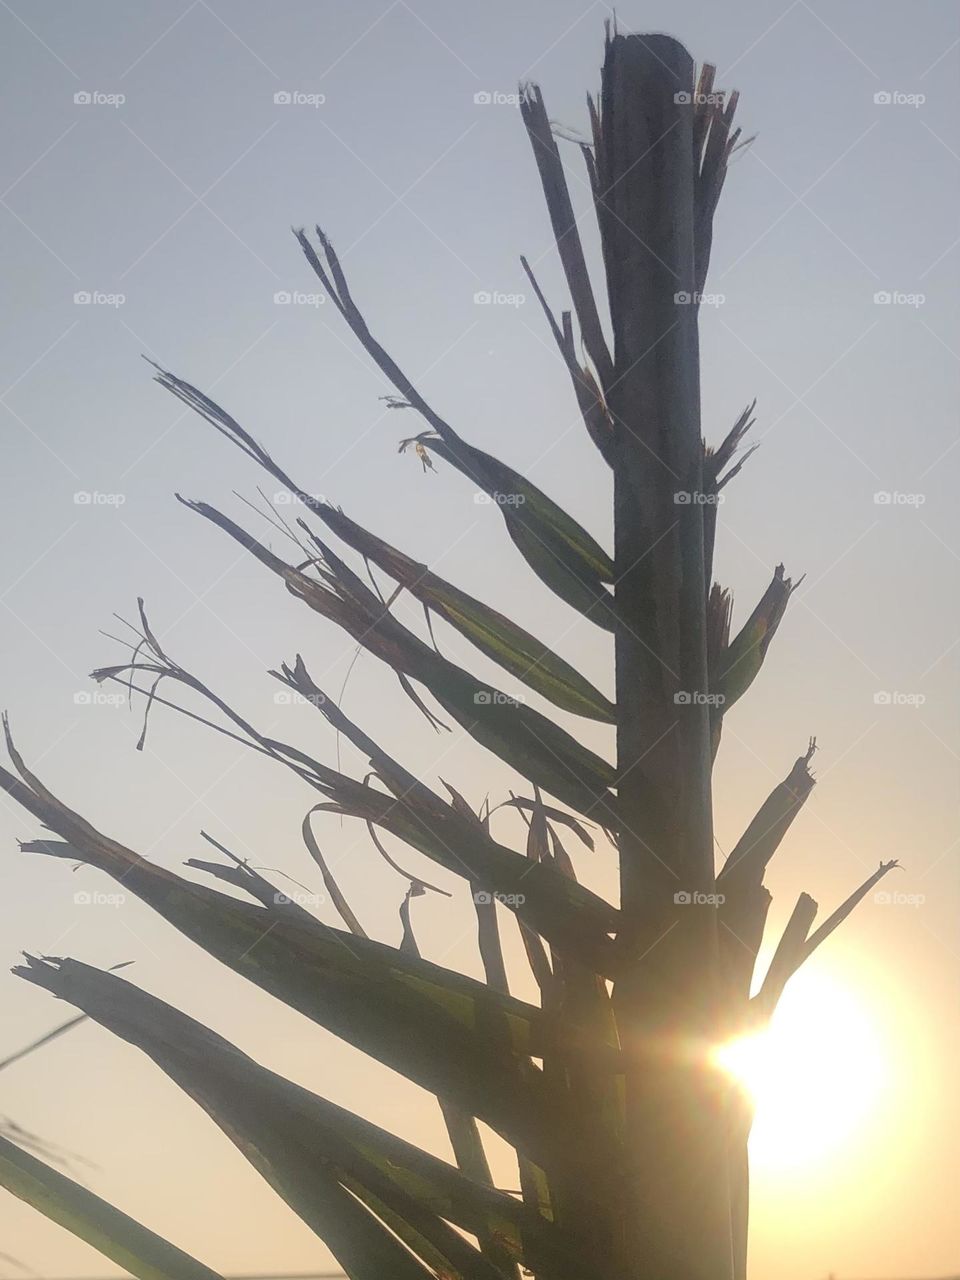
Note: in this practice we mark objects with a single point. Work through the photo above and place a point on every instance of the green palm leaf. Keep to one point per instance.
(495, 635)
(135, 1248)
(305, 1145)
(518, 734)
(365, 992)
(559, 550)
(739, 665)
(570, 915)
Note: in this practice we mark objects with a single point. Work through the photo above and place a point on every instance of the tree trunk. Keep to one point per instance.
(678, 1219)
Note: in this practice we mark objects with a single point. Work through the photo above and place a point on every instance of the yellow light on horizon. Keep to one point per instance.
(815, 1075)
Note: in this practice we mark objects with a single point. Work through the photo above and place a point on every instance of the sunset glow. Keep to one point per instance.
(479, 737)
(815, 1076)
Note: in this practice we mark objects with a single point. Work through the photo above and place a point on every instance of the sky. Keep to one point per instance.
(158, 155)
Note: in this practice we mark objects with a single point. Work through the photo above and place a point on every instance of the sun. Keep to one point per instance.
(815, 1076)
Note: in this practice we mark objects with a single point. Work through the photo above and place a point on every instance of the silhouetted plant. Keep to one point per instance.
(630, 1141)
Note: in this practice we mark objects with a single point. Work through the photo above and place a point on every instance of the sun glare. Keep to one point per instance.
(815, 1075)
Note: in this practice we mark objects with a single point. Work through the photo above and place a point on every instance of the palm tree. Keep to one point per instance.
(630, 1141)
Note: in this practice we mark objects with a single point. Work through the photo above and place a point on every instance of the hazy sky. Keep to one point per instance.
(178, 199)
